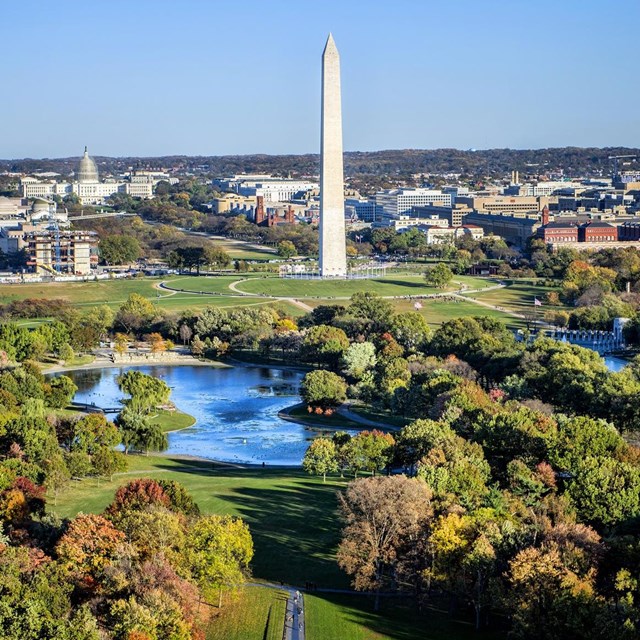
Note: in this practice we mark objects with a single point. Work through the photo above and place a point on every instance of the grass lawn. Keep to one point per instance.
(438, 311)
(390, 286)
(292, 515)
(516, 296)
(343, 617)
(172, 420)
(252, 613)
(384, 417)
(241, 250)
(208, 284)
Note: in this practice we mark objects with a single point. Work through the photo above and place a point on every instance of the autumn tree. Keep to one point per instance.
(89, 544)
(383, 516)
(320, 458)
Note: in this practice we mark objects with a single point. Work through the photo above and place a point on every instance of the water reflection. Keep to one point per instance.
(236, 410)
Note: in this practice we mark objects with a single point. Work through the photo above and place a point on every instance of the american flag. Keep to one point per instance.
(417, 306)
(536, 302)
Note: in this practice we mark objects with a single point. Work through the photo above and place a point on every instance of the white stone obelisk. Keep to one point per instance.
(333, 254)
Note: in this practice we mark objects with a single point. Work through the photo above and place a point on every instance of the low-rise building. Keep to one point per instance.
(62, 251)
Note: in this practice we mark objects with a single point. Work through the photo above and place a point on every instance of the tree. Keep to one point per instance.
(60, 392)
(373, 309)
(138, 495)
(320, 458)
(438, 275)
(382, 517)
(135, 313)
(325, 344)
(411, 330)
(121, 343)
(323, 388)
(146, 391)
(139, 432)
(219, 549)
(185, 333)
(286, 249)
(359, 358)
(89, 544)
(119, 249)
(369, 451)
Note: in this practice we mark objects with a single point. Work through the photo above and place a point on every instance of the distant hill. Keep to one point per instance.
(402, 162)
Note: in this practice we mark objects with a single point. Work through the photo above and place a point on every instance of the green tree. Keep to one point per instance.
(320, 458)
(438, 275)
(286, 249)
(359, 358)
(219, 549)
(325, 344)
(411, 330)
(323, 388)
(136, 313)
(119, 249)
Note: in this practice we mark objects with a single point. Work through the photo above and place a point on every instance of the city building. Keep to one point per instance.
(453, 213)
(504, 204)
(87, 186)
(515, 228)
(594, 231)
(396, 202)
(360, 209)
(448, 235)
(272, 189)
(62, 251)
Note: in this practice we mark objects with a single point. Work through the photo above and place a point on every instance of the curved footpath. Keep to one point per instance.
(460, 294)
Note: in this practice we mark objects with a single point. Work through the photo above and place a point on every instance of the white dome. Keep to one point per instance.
(87, 170)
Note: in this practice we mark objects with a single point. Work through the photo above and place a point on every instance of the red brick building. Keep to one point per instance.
(597, 232)
(558, 232)
(265, 219)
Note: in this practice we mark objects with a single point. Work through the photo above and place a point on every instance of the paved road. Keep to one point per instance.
(294, 628)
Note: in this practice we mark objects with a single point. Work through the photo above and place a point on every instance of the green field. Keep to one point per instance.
(516, 296)
(240, 250)
(438, 311)
(292, 515)
(252, 613)
(172, 420)
(343, 617)
(396, 285)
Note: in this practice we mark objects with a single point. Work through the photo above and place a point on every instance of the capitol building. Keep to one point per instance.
(88, 187)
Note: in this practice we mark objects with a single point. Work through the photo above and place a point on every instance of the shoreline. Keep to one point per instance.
(98, 363)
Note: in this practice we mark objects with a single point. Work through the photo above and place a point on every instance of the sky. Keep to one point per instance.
(217, 77)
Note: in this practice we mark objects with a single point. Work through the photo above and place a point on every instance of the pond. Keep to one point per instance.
(236, 410)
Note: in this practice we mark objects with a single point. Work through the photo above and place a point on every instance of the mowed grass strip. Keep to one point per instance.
(172, 420)
(345, 617)
(250, 613)
(436, 311)
(292, 516)
(391, 286)
(516, 296)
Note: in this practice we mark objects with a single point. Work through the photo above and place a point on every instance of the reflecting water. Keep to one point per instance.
(615, 364)
(236, 410)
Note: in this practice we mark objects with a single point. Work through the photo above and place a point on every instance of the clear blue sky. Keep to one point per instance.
(211, 77)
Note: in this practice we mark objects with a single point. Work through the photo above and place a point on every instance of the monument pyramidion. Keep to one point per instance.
(333, 254)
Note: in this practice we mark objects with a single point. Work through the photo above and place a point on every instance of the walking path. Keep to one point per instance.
(294, 628)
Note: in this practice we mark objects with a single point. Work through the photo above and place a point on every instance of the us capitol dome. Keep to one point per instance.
(87, 170)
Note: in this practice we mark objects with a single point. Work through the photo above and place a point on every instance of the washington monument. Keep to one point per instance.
(333, 255)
